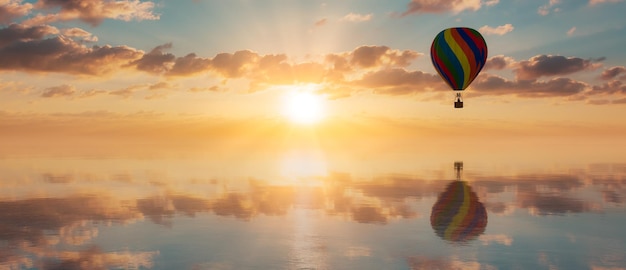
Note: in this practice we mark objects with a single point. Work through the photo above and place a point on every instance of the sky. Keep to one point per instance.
(221, 69)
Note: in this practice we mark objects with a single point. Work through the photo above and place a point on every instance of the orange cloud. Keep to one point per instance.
(94, 11)
(59, 91)
(499, 30)
(597, 2)
(11, 9)
(321, 22)
(77, 32)
(440, 6)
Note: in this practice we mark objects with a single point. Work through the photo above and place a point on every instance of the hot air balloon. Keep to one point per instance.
(458, 216)
(458, 55)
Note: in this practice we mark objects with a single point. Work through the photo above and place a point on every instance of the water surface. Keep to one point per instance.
(305, 209)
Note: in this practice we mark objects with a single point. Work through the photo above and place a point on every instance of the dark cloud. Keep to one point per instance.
(549, 204)
(487, 84)
(611, 73)
(94, 11)
(156, 61)
(368, 214)
(499, 62)
(59, 91)
(551, 65)
(612, 87)
(18, 32)
(398, 81)
(62, 54)
(12, 9)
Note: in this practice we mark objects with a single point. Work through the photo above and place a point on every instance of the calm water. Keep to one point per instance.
(307, 210)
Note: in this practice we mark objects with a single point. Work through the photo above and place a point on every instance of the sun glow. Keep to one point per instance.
(304, 107)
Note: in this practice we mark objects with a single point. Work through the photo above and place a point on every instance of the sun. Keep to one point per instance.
(304, 107)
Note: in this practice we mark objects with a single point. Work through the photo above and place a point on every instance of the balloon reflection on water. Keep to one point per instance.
(457, 215)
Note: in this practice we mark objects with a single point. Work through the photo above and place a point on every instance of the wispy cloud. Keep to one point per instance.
(79, 33)
(320, 22)
(59, 91)
(571, 31)
(355, 17)
(499, 30)
(547, 8)
(597, 2)
(440, 6)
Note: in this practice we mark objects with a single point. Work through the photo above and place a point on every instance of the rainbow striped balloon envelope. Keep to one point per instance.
(458, 55)
(457, 215)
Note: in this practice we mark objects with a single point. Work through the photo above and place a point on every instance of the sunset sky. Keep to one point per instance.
(218, 68)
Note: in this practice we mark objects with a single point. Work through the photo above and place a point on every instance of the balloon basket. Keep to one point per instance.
(458, 104)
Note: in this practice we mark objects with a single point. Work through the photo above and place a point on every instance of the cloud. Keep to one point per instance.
(126, 92)
(611, 87)
(355, 17)
(501, 239)
(17, 32)
(611, 73)
(571, 31)
(93, 11)
(188, 65)
(597, 2)
(11, 9)
(94, 258)
(59, 91)
(499, 30)
(487, 84)
(398, 81)
(91, 93)
(77, 32)
(440, 6)
(491, 2)
(548, 204)
(372, 56)
(321, 22)
(63, 54)
(499, 62)
(551, 65)
(156, 61)
(545, 9)
(159, 85)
